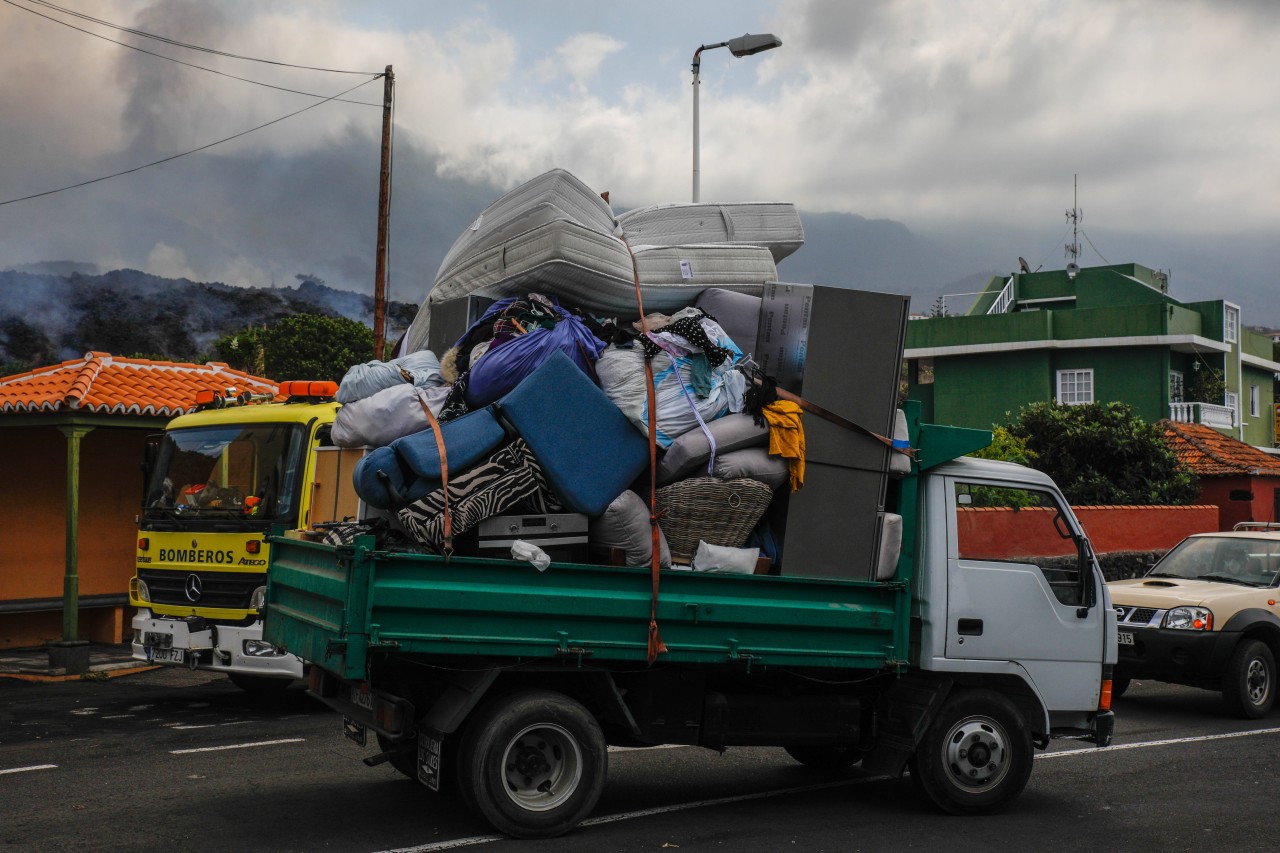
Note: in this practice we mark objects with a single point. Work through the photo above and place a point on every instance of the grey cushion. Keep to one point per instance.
(625, 525)
(690, 452)
(755, 463)
(737, 313)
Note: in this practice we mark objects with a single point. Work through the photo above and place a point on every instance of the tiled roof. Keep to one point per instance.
(101, 383)
(1211, 454)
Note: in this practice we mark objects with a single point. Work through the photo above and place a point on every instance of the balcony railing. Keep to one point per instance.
(1004, 301)
(1218, 417)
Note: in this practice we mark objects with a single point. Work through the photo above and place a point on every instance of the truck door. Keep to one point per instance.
(1021, 587)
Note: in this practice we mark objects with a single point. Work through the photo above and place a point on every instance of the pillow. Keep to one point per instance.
(737, 313)
(625, 525)
(365, 380)
(691, 450)
(387, 415)
(755, 463)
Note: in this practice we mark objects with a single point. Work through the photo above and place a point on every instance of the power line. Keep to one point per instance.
(187, 64)
(176, 43)
(193, 150)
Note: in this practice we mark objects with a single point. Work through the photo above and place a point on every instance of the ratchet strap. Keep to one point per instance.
(444, 477)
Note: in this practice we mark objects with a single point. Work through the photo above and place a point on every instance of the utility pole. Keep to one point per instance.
(384, 214)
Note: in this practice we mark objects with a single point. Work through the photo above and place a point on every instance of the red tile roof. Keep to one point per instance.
(1211, 454)
(102, 383)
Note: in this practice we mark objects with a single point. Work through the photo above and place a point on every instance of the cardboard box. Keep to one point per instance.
(334, 497)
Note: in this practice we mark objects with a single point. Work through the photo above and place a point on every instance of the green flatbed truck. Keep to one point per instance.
(506, 684)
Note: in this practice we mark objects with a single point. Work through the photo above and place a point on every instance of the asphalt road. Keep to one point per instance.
(178, 761)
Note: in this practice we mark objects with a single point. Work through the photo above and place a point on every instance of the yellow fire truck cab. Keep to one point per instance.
(217, 480)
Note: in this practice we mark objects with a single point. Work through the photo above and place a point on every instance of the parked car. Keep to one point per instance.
(1206, 615)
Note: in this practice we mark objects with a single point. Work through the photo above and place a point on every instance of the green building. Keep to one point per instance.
(1096, 334)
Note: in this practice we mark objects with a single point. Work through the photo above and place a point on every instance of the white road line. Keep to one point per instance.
(237, 746)
(1149, 743)
(455, 843)
(28, 769)
(119, 716)
(187, 728)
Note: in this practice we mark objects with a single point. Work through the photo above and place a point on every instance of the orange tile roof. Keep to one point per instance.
(102, 383)
(1211, 454)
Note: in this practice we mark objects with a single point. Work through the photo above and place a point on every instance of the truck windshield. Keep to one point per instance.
(241, 471)
(1222, 559)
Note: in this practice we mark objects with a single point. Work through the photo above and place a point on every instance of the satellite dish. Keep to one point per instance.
(1072, 269)
(1023, 265)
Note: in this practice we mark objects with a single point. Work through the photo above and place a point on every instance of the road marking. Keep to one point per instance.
(237, 746)
(639, 748)
(119, 716)
(28, 769)
(678, 807)
(1150, 743)
(187, 728)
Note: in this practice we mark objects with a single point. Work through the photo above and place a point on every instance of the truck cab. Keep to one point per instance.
(217, 481)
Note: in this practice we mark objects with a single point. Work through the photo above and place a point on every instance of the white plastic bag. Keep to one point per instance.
(530, 553)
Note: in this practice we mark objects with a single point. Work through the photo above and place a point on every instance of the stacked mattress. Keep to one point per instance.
(554, 234)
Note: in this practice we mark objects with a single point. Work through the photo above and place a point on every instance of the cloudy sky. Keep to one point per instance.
(949, 116)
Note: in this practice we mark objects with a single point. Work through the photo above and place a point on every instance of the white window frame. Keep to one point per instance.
(1232, 401)
(1177, 386)
(1254, 401)
(1072, 391)
(1230, 323)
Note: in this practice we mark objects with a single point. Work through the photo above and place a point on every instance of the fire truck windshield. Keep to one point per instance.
(240, 471)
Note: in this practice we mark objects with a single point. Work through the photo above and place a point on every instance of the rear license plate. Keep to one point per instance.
(167, 655)
(354, 731)
(361, 699)
(1124, 638)
(429, 747)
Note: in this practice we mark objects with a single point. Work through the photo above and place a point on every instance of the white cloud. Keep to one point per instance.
(580, 57)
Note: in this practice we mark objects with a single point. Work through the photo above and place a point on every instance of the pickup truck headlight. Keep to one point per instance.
(258, 599)
(1189, 619)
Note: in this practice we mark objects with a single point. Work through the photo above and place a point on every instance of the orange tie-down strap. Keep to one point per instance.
(444, 477)
(656, 646)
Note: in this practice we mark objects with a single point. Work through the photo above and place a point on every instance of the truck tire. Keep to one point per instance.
(976, 754)
(828, 758)
(263, 684)
(532, 763)
(1249, 683)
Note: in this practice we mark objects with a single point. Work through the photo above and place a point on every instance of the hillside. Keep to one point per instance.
(50, 313)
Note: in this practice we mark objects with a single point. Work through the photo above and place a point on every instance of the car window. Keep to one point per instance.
(1223, 559)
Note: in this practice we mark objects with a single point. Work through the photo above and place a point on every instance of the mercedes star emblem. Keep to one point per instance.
(192, 588)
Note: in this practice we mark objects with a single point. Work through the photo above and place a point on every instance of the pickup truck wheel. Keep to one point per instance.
(404, 759)
(1249, 683)
(976, 754)
(829, 758)
(533, 763)
(259, 683)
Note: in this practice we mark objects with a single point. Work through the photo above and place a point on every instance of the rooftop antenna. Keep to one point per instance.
(1075, 216)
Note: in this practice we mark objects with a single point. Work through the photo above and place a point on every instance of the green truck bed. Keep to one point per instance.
(335, 605)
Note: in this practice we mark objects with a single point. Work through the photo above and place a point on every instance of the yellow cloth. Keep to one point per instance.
(786, 437)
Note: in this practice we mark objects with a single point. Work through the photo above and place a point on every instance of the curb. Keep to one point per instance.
(94, 674)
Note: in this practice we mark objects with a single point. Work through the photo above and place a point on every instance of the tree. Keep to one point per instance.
(939, 308)
(310, 346)
(1102, 453)
(1206, 385)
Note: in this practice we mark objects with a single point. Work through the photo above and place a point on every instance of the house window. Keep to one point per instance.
(1177, 387)
(1230, 323)
(1232, 401)
(1254, 404)
(1075, 386)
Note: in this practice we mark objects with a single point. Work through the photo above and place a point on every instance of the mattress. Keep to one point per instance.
(774, 225)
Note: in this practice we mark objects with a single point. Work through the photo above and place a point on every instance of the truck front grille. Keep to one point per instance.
(227, 590)
(1139, 616)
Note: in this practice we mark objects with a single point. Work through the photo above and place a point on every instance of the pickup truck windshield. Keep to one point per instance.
(1223, 559)
(241, 472)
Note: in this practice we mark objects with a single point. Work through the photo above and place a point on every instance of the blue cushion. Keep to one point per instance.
(588, 449)
(381, 468)
(467, 440)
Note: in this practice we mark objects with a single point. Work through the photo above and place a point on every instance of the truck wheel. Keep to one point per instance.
(828, 758)
(1249, 684)
(259, 683)
(532, 763)
(404, 759)
(975, 755)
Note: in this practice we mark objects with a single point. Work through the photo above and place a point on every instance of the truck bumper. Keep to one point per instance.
(198, 644)
(1180, 657)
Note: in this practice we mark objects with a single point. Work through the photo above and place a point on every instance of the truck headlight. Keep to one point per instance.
(138, 590)
(259, 598)
(1189, 619)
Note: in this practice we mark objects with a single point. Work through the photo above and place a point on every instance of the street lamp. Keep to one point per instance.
(744, 45)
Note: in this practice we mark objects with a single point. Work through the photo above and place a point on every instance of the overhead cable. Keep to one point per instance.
(193, 150)
(189, 64)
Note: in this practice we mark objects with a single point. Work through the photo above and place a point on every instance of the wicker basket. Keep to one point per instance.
(718, 512)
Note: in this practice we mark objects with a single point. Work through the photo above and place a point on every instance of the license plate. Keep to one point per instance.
(361, 700)
(429, 747)
(1124, 638)
(167, 655)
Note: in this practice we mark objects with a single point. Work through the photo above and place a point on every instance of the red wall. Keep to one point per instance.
(1005, 532)
(1217, 490)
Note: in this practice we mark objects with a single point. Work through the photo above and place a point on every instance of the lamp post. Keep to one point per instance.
(744, 45)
